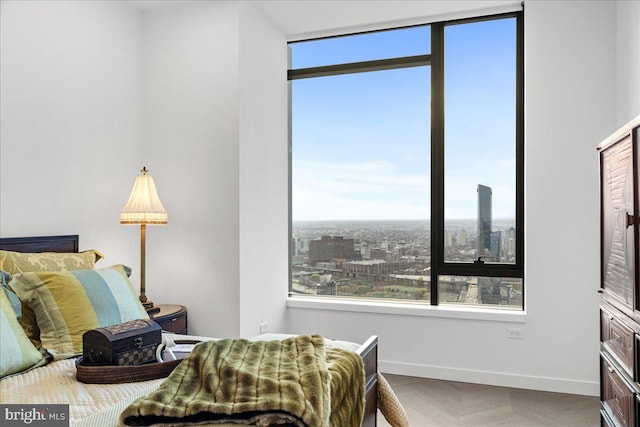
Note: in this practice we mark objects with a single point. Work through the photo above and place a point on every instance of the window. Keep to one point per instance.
(406, 164)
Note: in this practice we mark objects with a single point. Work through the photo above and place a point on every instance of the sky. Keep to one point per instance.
(361, 142)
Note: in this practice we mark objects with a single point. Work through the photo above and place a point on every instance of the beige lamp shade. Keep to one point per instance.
(144, 205)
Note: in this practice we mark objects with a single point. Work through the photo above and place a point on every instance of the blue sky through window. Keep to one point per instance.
(480, 116)
(361, 142)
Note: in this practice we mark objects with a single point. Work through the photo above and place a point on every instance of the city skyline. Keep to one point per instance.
(391, 259)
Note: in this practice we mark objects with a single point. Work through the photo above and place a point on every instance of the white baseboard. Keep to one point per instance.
(558, 385)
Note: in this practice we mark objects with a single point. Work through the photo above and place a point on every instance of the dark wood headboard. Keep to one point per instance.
(40, 244)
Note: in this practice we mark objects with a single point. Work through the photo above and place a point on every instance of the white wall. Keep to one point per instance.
(628, 61)
(263, 147)
(215, 129)
(191, 131)
(70, 105)
(93, 91)
(570, 107)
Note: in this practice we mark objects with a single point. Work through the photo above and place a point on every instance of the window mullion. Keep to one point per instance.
(520, 141)
(437, 156)
(359, 67)
(485, 270)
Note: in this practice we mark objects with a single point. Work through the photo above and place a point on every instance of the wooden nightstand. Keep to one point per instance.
(171, 318)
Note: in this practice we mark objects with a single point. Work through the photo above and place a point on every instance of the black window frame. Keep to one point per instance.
(435, 59)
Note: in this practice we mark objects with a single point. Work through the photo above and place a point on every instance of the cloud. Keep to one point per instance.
(358, 190)
(385, 190)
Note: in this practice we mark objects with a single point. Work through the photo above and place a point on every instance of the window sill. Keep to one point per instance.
(407, 309)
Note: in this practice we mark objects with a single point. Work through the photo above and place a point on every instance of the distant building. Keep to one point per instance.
(301, 245)
(510, 233)
(489, 290)
(298, 259)
(448, 238)
(495, 247)
(509, 243)
(328, 248)
(369, 267)
(484, 220)
(377, 253)
(462, 238)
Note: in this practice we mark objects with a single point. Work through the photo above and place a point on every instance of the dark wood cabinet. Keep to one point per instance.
(618, 339)
(171, 318)
(618, 396)
(619, 281)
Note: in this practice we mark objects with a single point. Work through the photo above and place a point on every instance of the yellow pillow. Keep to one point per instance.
(69, 303)
(20, 262)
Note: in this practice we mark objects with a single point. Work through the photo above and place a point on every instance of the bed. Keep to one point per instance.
(100, 404)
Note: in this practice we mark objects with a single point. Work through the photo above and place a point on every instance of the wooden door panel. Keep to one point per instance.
(618, 215)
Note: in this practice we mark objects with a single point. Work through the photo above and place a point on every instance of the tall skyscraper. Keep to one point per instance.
(484, 220)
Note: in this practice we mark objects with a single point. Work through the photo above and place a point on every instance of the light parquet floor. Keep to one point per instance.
(435, 403)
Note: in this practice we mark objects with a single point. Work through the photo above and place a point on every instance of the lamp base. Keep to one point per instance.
(150, 308)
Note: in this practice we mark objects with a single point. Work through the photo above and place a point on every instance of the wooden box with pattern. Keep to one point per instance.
(129, 343)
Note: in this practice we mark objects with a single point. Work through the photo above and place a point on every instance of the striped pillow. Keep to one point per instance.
(12, 262)
(69, 303)
(17, 354)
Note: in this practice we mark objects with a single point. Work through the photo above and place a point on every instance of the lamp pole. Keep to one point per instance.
(143, 240)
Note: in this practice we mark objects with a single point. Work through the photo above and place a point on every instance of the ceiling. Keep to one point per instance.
(299, 19)
(308, 18)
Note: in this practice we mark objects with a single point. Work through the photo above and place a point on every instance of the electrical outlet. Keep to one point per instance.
(264, 327)
(515, 333)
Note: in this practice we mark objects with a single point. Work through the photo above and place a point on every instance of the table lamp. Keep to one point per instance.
(144, 207)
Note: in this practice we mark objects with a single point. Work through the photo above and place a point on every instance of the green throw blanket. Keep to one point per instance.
(295, 382)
